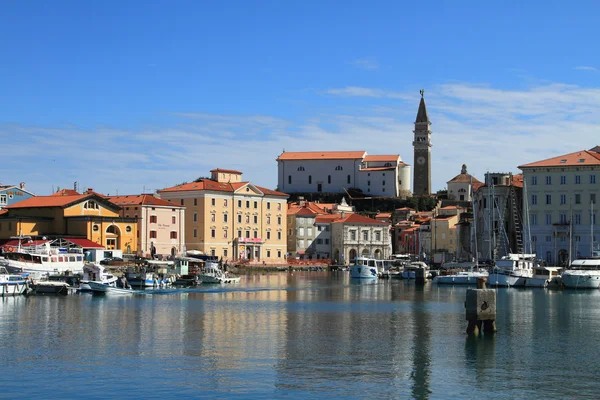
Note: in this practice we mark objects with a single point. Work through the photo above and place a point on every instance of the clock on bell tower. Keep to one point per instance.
(422, 147)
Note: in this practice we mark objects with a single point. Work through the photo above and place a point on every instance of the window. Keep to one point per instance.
(309, 179)
(256, 219)
(279, 207)
(533, 199)
(239, 204)
(326, 241)
(548, 199)
(533, 219)
(173, 220)
(563, 218)
(353, 235)
(328, 178)
(213, 217)
(534, 238)
(278, 253)
(255, 234)
(365, 235)
(173, 235)
(239, 234)
(225, 205)
(213, 202)
(225, 233)
(563, 180)
(181, 201)
(339, 168)
(153, 219)
(268, 205)
(239, 218)
(309, 232)
(247, 203)
(213, 233)
(152, 234)
(3, 199)
(248, 234)
(368, 183)
(534, 180)
(548, 219)
(301, 168)
(378, 236)
(577, 219)
(247, 219)
(577, 179)
(593, 198)
(195, 202)
(548, 180)
(268, 220)
(268, 235)
(278, 220)
(289, 179)
(383, 183)
(213, 252)
(592, 178)
(577, 198)
(256, 204)
(548, 238)
(348, 179)
(225, 218)
(224, 252)
(195, 232)
(563, 199)
(300, 231)
(195, 217)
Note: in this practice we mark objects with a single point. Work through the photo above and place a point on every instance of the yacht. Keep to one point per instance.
(583, 273)
(364, 268)
(512, 270)
(468, 277)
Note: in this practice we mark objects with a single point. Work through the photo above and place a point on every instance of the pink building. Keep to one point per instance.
(161, 224)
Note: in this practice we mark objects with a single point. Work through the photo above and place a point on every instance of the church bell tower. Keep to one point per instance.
(422, 146)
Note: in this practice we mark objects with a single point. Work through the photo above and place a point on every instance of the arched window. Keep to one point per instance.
(339, 168)
(301, 168)
(309, 179)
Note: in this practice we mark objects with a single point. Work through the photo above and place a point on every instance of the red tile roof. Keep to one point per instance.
(207, 184)
(465, 178)
(359, 219)
(379, 168)
(66, 192)
(578, 158)
(228, 171)
(142, 200)
(320, 155)
(327, 218)
(50, 201)
(382, 158)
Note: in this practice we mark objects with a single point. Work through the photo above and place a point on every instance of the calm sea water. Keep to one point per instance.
(301, 335)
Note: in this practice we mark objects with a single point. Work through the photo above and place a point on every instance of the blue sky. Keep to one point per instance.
(130, 96)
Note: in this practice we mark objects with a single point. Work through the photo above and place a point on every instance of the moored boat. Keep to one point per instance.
(104, 288)
(11, 284)
(544, 277)
(462, 277)
(213, 274)
(363, 268)
(97, 273)
(415, 269)
(512, 270)
(583, 273)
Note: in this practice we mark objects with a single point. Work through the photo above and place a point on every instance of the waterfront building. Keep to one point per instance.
(161, 224)
(338, 171)
(11, 194)
(232, 219)
(444, 233)
(498, 215)
(356, 235)
(301, 229)
(422, 151)
(73, 215)
(562, 201)
(323, 241)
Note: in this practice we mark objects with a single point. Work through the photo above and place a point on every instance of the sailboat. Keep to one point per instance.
(584, 272)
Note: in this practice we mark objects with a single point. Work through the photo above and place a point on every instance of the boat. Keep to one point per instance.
(153, 274)
(97, 273)
(11, 284)
(42, 258)
(545, 277)
(512, 270)
(363, 268)
(51, 287)
(468, 277)
(103, 288)
(213, 274)
(413, 270)
(583, 273)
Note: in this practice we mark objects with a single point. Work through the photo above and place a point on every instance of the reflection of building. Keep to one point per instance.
(356, 235)
(70, 214)
(335, 171)
(560, 193)
(232, 219)
(161, 224)
(11, 194)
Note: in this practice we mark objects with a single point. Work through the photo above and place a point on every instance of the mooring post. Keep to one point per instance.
(420, 276)
(480, 308)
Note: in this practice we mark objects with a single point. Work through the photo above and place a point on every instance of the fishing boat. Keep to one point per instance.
(41, 258)
(512, 270)
(97, 273)
(412, 270)
(51, 287)
(544, 277)
(153, 274)
(11, 284)
(213, 274)
(363, 268)
(103, 288)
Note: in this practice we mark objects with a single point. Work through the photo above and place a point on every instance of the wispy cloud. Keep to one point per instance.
(365, 63)
(356, 91)
(587, 68)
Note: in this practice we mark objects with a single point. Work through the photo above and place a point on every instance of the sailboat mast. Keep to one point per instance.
(570, 231)
(474, 223)
(591, 228)
(490, 208)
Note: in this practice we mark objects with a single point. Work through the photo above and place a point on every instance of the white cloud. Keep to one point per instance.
(365, 63)
(587, 68)
(484, 127)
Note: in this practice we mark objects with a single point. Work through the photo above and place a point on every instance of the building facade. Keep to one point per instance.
(232, 219)
(562, 201)
(422, 151)
(337, 171)
(461, 187)
(356, 235)
(11, 194)
(73, 215)
(161, 224)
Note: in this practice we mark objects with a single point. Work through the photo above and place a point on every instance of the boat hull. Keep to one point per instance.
(363, 272)
(218, 279)
(505, 280)
(459, 279)
(98, 287)
(574, 279)
(14, 288)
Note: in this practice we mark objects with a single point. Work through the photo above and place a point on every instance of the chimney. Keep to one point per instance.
(22, 185)
(90, 190)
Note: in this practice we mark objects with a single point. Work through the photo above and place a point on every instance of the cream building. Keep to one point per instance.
(335, 171)
(461, 187)
(562, 201)
(444, 233)
(232, 219)
(356, 235)
(161, 224)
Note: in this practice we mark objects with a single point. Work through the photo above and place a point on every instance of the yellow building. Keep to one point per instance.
(231, 219)
(444, 232)
(70, 214)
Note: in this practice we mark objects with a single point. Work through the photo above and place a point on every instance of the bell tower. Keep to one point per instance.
(422, 146)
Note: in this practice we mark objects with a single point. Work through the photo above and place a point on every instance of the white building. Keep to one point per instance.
(462, 185)
(335, 171)
(562, 205)
(355, 235)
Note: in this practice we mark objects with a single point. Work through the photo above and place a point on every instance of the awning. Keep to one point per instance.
(84, 243)
(14, 243)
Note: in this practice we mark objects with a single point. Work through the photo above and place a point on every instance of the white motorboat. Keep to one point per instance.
(584, 273)
(51, 287)
(42, 258)
(412, 270)
(462, 277)
(213, 274)
(512, 270)
(544, 277)
(363, 268)
(97, 273)
(104, 288)
(11, 284)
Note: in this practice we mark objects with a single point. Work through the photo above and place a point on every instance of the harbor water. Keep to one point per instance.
(299, 335)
